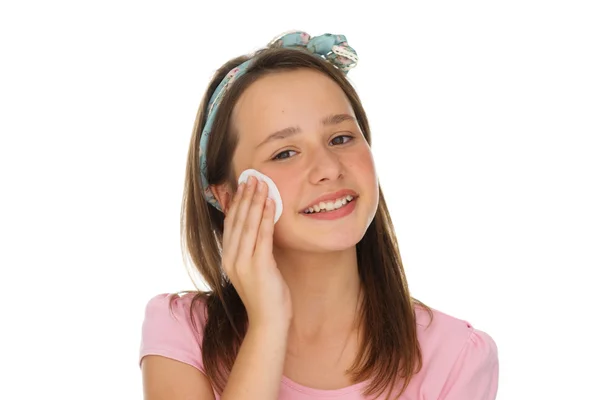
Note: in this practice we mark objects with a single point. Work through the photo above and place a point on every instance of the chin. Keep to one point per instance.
(317, 240)
(334, 247)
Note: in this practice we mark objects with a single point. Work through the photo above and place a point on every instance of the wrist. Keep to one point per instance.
(270, 328)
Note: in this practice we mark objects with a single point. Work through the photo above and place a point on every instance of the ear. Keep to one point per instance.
(224, 194)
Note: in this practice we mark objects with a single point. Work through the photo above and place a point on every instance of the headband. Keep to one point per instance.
(333, 48)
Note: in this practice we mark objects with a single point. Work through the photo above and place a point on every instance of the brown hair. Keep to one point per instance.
(390, 349)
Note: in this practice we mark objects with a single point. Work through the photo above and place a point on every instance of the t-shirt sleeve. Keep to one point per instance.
(474, 375)
(168, 331)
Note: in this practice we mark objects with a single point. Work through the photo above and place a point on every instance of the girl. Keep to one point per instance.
(316, 305)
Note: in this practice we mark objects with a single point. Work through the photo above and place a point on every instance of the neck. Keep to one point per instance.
(325, 290)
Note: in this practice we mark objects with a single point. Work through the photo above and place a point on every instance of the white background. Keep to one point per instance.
(485, 120)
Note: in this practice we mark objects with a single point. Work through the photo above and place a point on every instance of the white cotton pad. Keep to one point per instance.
(273, 191)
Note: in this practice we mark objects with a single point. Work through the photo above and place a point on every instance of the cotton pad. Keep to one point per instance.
(273, 191)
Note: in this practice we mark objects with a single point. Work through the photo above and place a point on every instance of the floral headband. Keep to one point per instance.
(334, 48)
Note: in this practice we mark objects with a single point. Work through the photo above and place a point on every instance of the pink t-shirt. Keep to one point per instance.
(459, 362)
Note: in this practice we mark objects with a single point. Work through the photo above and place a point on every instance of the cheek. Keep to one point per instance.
(287, 184)
(362, 164)
(288, 189)
(366, 176)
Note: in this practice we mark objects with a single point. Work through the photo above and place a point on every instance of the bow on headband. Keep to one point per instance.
(334, 48)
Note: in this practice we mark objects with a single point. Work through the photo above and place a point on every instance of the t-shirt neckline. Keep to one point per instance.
(322, 392)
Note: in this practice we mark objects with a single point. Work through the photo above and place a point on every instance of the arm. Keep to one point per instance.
(256, 373)
(167, 379)
(249, 263)
(258, 368)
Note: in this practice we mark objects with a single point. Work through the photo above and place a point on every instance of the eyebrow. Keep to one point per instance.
(330, 120)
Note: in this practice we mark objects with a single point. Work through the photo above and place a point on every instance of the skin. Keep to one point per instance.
(317, 259)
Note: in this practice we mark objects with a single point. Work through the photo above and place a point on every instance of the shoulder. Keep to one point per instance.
(173, 327)
(178, 306)
(458, 359)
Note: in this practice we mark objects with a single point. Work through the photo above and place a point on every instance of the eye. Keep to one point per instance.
(343, 136)
(278, 156)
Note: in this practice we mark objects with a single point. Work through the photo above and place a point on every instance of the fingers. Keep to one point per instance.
(264, 242)
(251, 224)
(231, 231)
(230, 216)
(237, 219)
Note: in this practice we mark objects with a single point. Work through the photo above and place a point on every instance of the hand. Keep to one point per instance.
(248, 256)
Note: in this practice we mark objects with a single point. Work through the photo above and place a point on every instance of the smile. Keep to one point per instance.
(332, 210)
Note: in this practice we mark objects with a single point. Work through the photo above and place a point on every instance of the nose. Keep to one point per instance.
(325, 165)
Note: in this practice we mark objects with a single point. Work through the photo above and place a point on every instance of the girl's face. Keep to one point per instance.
(298, 128)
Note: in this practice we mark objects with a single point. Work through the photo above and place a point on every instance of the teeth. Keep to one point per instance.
(329, 206)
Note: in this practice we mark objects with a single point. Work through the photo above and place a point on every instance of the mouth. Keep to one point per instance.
(329, 201)
(335, 214)
(331, 206)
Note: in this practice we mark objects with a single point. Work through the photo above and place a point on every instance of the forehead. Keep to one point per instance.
(288, 98)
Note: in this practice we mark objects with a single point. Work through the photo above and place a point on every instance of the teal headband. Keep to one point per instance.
(334, 48)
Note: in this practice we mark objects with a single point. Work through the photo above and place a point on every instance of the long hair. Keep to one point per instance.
(389, 351)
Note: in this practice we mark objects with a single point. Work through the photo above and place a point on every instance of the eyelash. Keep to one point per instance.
(286, 151)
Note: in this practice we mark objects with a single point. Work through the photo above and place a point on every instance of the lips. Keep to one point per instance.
(332, 196)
